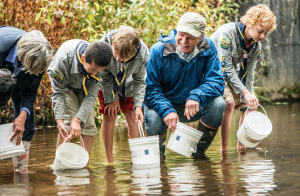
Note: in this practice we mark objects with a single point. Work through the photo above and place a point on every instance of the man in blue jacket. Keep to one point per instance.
(26, 56)
(184, 83)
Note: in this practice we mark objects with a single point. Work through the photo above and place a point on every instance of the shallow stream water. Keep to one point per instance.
(273, 168)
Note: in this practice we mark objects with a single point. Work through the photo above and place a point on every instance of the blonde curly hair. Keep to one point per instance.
(260, 14)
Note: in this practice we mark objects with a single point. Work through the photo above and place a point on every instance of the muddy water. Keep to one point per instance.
(270, 169)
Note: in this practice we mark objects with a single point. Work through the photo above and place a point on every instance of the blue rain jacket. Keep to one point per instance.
(171, 80)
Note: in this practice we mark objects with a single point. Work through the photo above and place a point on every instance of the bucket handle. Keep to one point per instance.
(257, 107)
(67, 139)
(188, 147)
(141, 131)
(6, 141)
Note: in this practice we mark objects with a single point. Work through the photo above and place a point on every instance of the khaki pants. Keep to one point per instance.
(73, 102)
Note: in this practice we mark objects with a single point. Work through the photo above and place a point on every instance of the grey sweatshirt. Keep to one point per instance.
(65, 63)
(232, 55)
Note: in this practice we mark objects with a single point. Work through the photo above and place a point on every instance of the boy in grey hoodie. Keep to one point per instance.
(123, 84)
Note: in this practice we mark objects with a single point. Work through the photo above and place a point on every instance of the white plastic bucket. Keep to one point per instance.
(70, 156)
(184, 140)
(144, 150)
(9, 148)
(254, 129)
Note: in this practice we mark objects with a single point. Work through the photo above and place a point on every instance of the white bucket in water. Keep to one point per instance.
(254, 129)
(144, 150)
(70, 156)
(9, 148)
(184, 140)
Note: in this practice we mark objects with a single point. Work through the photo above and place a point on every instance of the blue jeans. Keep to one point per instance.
(210, 117)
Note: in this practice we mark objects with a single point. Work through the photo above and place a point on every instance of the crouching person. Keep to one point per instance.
(123, 85)
(184, 83)
(26, 55)
(75, 79)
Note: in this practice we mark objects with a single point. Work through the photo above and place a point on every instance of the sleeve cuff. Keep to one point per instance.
(138, 105)
(194, 97)
(168, 112)
(59, 117)
(83, 117)
(28, 112)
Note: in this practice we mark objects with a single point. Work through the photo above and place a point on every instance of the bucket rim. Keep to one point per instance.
(143, 142)
(189, 129)
(140, 139)
(9, 153)
(153, 137)
(13, 149)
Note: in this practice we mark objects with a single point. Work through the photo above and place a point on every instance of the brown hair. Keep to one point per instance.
(125, 42)
(260, 14)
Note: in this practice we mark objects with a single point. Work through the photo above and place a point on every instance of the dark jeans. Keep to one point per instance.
(210, 117)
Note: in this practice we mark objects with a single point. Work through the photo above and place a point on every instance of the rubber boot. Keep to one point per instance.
(162, 147)
(205, 141)
(20, 163)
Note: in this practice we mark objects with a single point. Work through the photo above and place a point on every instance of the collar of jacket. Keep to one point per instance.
(237, 39)
(170, 45)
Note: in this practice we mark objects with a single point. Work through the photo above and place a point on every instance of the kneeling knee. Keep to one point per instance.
(230, 106)
(219, 103)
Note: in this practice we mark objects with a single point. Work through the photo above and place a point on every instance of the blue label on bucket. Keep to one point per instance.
(178, 137)
(147, 152)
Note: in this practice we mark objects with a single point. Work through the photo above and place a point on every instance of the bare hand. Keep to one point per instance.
(19, 127)
(139, 114)
(75, 128)
(250, 98)
(62, 128)
(171, 120)
(112, 109)
(191, 108)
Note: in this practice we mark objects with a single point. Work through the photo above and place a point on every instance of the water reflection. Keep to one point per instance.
(20, 186)
(229, 184)
(109, 178)
(274, 171)
(257, 172)
(186, 180)
(146, 179)
(71, 177)
(66, 180)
